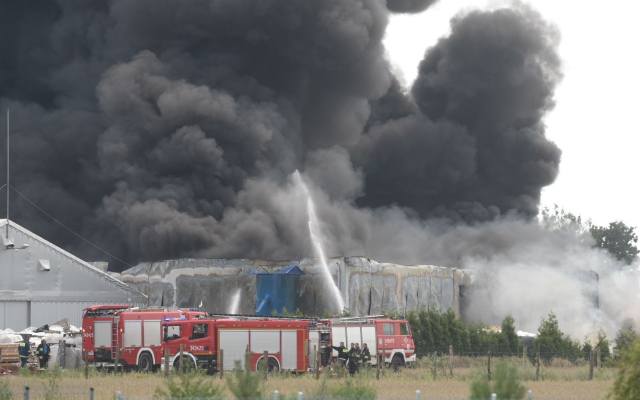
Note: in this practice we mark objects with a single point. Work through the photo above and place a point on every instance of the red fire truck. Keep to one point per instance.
(128, 336)
(139, 338)
(239, 341)
(390, 337)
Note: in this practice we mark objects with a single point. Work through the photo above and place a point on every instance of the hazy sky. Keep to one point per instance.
(596, 119)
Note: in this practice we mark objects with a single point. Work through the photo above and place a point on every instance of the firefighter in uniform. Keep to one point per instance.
(366, 355)
(343, 354)
(359, 354)
(353, 360)
(43, 351)
(24, 351)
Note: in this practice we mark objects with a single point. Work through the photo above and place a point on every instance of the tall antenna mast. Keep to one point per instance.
(8, 126)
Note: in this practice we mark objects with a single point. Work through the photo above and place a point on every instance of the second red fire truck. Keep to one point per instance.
(140, 339)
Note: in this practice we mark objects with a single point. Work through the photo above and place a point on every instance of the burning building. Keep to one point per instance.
(367, 286)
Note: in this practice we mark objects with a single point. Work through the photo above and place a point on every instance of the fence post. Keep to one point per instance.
(451, 360)
(181, 362)
(247, 354)
(86, 366)
(529, 395)
(265, 356)
(61, 353)
(598, 358)
(538, 365)
(378, 364)
(591, 365)
(117, 359)
(524, 354)
(494, 396)
(119, 395)
(489, 365)
(318, 355)
(300, 395)
(26, 393)
(312, 357)
(434, 366)
(276, 395)
(418, 393)
(92, 393)
(221, 363)
(166, 362)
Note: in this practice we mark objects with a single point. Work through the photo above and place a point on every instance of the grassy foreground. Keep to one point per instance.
(559, 383)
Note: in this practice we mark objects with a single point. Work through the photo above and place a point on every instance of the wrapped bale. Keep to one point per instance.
(9, 357)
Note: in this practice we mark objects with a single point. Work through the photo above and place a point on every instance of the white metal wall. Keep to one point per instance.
(14, 315)
(50, 312)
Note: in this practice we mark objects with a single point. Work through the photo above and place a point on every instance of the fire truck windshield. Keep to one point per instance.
(171, 332)
(199, 331)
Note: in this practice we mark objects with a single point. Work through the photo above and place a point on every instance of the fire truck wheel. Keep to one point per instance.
(272, 364)
(396, 362)
(145, 362)
(189, 364)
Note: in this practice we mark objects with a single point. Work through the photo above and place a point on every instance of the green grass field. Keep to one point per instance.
(559, 382)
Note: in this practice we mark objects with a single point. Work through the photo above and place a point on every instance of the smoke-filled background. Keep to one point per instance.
(164, 129)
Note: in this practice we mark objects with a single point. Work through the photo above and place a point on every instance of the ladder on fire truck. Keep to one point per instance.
(258, 317)
(115, 345)
(360, 319)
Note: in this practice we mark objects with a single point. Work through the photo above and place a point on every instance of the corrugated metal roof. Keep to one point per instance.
(83, 264)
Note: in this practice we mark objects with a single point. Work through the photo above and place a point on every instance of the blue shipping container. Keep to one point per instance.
(277, 292)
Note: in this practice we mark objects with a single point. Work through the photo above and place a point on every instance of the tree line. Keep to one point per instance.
(617, 238)
(434, 331)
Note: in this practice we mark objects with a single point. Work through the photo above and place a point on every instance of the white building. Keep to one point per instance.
(41, 283)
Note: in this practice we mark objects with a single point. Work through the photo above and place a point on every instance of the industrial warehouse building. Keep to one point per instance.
(41, 283)
(244, 285)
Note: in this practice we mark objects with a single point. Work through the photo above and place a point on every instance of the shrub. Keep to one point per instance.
(480, 389)
(189, 387)
(353, 390)
(602, 345)
(506, 385)
(52, 387)
(627, 384)
(508, 335)
(624, 339)
(552, 342)
(244, 385)
(322, 392)
(434, 331)
(5, 392)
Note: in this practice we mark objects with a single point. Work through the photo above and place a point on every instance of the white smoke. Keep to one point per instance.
(523, 268)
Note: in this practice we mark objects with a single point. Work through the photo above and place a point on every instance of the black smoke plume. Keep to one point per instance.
(164, 128)
(409, 6)
(477, 148)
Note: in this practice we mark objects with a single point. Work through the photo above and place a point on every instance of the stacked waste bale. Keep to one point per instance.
(9, 358)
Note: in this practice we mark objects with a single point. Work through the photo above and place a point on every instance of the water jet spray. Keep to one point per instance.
(315, 234)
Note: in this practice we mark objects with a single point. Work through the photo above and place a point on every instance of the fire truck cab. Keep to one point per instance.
(215, 343)
(391, 338)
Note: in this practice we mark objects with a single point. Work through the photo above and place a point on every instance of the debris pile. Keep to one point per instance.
(64, 339)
